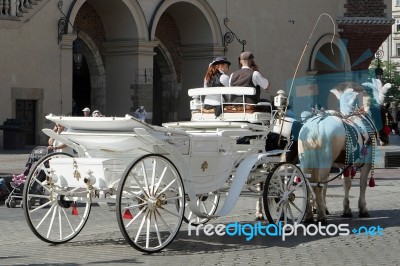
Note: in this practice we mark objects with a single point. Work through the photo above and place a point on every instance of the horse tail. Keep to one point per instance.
(313, 136)
(311, 145)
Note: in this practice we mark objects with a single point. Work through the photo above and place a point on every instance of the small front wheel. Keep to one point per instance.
(150, 203)
(285, 194)
(207, 203)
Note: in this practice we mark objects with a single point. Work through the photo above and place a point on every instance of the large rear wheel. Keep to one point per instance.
(150, 203)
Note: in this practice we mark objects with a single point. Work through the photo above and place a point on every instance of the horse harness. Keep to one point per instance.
(353, 131)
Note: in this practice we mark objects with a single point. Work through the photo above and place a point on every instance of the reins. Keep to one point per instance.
(335, 177)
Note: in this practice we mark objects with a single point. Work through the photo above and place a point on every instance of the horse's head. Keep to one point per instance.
(377, 93)
(346, 99)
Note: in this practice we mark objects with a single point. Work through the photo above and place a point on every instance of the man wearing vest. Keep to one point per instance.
(248, 76)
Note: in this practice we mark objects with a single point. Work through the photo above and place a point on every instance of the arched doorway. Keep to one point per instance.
(185, 50)
(113, 50)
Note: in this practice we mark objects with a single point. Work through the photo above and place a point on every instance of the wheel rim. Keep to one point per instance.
(285, 194)
(52, 216)
(207, 203)
(148, 215)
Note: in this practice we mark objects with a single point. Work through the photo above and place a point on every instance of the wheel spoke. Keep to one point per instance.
(145, 178)
(294, 205)
(52, 220)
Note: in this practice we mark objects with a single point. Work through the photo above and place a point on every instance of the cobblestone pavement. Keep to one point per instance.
(101, 243)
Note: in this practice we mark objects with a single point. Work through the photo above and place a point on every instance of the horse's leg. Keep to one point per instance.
(362, 204)
(259, 212)
(346, 201)
(259, 215)
(319, 194)
(309, 214)
(324, 189)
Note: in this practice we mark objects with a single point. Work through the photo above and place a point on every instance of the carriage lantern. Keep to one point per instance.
(280, 101)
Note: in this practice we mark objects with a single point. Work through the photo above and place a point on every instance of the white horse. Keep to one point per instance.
(343, 141)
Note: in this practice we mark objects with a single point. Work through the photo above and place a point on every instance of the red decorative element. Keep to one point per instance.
(346, 172)
(74, 210)
(364, 151)
(386, 130)
(371, 182)
(297, 179)
(353, 172)
(127, 215)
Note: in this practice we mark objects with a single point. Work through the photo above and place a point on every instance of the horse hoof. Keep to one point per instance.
(363, 215)
(259, 217)
(347, 215)
(326, 212)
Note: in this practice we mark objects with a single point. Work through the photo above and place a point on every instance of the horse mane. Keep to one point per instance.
(348, 96)
(346, 100)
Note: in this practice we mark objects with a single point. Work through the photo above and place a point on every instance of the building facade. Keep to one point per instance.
(150, 52)
(391, 46)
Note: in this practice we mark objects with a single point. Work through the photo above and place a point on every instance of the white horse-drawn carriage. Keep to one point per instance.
(155, 177)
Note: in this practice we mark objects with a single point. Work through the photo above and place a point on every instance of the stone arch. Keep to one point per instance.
(205, 9)
(192, 47)
(338, 61)
(122, 7)
(123, 49)
(330, 64)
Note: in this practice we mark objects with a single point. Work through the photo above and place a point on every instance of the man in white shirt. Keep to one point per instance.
(248, 76)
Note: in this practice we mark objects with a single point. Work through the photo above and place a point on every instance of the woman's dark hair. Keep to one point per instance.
(211, 71)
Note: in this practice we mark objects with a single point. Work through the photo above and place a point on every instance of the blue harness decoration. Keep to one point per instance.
(352, 147)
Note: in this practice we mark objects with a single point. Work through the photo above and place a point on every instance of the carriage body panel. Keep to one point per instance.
(100, 173)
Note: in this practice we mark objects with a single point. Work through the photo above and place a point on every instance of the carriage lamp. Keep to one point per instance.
(379, 72)
(280, 101)
(77, 53)
(89, 179)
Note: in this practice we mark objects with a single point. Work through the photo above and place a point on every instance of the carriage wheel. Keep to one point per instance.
(51, 215)
(207, 203)
(285, 194)
(147, 211)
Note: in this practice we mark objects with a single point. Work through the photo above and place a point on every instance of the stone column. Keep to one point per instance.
(64, 102)
(195, 61)
(129, 68)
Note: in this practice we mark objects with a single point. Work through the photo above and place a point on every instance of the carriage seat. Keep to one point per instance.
(253, 113)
